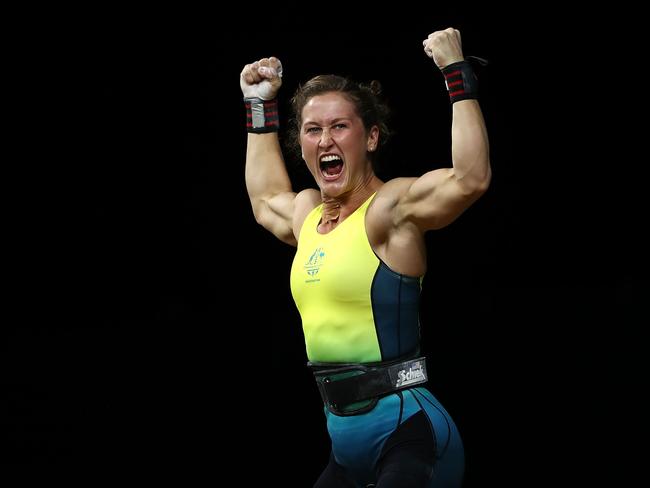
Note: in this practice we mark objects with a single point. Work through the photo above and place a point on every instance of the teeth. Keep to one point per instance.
(331, 157)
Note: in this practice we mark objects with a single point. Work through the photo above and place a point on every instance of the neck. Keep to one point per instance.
(336, 209)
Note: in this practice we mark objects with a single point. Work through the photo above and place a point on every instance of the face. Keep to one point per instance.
(335, 143)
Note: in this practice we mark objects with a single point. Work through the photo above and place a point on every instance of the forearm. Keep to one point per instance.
(266, 174)
(469, 146)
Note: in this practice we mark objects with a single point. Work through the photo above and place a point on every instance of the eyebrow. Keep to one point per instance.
(334, 121)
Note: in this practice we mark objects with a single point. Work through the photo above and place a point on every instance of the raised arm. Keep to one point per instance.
(440, 196)
(267, 181)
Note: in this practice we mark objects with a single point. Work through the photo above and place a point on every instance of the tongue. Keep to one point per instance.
(335, 169)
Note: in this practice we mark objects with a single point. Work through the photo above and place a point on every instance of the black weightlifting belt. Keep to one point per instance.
(342, 384)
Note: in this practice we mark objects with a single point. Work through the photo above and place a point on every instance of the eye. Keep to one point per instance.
(340, 126)
(312, 130)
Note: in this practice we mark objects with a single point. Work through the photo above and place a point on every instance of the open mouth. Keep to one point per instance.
(331, 166)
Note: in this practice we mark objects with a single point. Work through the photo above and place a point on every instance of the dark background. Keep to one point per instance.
(159, 336)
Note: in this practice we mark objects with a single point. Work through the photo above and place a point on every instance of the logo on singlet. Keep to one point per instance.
(313, 264)
(415, 374)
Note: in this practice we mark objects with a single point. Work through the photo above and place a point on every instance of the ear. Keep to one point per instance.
(373, 139)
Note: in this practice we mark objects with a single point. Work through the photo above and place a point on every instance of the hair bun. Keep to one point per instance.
(375, 87)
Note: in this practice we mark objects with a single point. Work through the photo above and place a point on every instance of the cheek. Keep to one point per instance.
(306, 144)
(350, 140)
(308, 151)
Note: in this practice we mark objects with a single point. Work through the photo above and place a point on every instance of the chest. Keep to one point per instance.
(338, 264)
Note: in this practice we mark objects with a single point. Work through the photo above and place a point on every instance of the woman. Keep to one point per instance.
(359, 262)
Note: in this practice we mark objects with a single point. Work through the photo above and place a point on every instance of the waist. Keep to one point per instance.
(344, 384)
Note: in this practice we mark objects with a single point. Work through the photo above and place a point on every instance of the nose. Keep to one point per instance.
(325, 138)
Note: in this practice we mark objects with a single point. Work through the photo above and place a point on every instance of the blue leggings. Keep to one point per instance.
(407, 440)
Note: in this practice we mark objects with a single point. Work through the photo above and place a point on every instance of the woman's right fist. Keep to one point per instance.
(261, 79)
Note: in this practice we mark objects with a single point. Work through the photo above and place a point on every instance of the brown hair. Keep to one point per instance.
(365, 98)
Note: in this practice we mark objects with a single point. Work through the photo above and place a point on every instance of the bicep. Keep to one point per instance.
(435, 199)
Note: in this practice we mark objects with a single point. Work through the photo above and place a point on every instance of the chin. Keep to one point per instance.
(333, 188)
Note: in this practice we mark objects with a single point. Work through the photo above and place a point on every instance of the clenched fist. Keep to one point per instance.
(261, 79)
(444, 47)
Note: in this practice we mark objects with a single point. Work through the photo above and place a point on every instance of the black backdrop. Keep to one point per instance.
(167, 343)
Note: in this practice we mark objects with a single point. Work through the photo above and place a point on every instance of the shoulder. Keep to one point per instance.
(305, 202)
(389, 195)
(380, 218)
(396, 242)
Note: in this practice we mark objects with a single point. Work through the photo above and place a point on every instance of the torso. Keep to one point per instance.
(354, 307)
